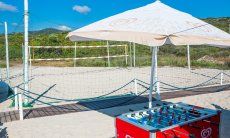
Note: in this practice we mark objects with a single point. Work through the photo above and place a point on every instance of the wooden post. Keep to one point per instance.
(16, 98)
(20, 106)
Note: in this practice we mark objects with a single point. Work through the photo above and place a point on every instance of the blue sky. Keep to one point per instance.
(72, 14)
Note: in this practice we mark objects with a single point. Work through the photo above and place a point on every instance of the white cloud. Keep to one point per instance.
(7, 7)
(82, 9)
(14, 24)
(64, 28)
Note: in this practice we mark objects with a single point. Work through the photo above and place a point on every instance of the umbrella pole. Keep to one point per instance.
(188, 57)
(153, 78)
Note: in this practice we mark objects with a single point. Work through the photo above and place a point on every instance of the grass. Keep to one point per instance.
(167, 56)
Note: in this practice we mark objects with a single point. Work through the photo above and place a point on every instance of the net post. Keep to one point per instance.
(75, 53)
(126, 55)
(134, 54)
(108, 53)
(221, 78)
(7, 54)
(20, 106)
(16, 98)
(130, 54)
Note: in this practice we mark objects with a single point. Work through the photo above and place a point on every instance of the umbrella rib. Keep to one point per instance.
(189, 29)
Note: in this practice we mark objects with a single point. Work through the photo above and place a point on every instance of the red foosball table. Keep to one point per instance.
(169, 121)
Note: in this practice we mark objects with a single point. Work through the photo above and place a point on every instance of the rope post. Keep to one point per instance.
(16, 98)
(108, 53)
(126, 56)
(134, 54)
(188, 57)
(135, 87)
(75, 54)
(20, 106)
(221, 78)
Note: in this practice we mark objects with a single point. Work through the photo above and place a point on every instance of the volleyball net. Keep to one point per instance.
(72, 73)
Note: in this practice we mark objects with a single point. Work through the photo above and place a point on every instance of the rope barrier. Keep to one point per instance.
(204, 75)
(183, 88)
(17, 86)
(226, 74)
(56, 106)
(46, 103)
(136, 96)
(94, 98)
(71, 100)
(129, 100)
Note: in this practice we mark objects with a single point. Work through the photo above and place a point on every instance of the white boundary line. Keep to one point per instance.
(64, 59)
(56, 47)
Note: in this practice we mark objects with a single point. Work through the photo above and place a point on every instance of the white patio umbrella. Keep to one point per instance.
(153, 25)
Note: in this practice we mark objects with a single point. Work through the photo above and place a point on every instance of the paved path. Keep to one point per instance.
(102, 104)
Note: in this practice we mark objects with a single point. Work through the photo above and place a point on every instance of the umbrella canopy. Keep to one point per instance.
(155, 24)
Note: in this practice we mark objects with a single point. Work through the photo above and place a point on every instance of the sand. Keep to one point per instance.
(87, 82)
(100, 124)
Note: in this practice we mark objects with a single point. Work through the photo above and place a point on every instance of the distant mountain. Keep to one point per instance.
(46, 31)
